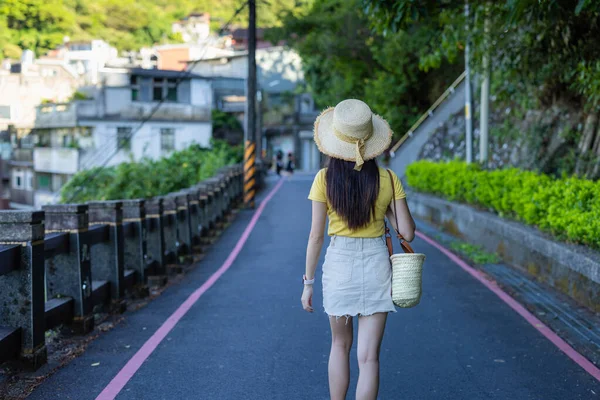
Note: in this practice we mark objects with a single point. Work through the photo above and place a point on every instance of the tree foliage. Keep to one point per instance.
(343, 58)
(547, 50)
(41, 25)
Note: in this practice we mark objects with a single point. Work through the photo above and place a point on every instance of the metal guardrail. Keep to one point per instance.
(58, 264)
(427, 113)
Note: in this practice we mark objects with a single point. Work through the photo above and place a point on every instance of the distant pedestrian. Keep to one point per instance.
(356, 195)
(290, 164)
(279, 162)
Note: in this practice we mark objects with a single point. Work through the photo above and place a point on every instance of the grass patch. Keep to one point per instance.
(475, 253)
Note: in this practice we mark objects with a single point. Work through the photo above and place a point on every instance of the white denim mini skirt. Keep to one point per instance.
(357, 277)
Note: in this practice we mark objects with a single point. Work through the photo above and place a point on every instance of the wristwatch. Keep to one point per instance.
(307, 281)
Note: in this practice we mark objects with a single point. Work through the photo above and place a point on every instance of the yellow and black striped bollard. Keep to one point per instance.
(249, 174)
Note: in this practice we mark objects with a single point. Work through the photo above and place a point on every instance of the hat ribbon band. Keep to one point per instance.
(359, 148)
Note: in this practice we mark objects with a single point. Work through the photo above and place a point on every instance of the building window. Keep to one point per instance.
(164, 89)
(43, 181)
(158, 85)
(124, 138)
(167, 139)
(4, 112)
(172, 90)
(18, 183)
(135, 88)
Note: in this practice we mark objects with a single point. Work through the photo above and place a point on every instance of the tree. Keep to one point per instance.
(38, 25)
(547, 49)
(343, 58)
(41, 25)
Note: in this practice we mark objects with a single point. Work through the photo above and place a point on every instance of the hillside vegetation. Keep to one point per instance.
(41, 25)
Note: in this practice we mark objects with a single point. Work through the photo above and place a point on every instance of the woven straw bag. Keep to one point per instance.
(407, 268)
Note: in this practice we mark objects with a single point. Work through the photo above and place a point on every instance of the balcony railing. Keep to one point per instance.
(56, 115)
(166, 112)
(22, 155)
(21, 196)
(56, 160)
(72, 114)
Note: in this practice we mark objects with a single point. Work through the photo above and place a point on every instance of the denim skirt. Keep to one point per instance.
(357, 277)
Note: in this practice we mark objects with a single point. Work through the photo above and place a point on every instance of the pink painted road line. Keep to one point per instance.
(126, 373)
(522, 311)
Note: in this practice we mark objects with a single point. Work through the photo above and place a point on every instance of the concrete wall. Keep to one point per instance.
(146, 142)
(24, 92)
(173, 58)
(409, 151)
(574, 270)
(201, 93)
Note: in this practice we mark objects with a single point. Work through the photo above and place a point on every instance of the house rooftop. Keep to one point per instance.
(238, 54)
(163, 73)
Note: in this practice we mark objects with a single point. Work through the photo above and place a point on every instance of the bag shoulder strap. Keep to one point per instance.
(403, 243)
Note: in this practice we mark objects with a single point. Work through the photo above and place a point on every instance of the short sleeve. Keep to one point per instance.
(318, 190)
(398, 189)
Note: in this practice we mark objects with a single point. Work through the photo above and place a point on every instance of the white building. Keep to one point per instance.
(24, 85)
(194, 28)
(286, 118)
(121, 122)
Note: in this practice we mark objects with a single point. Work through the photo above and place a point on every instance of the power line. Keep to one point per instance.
(183, 75)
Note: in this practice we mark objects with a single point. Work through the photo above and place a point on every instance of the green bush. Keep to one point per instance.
(149, 178)
(568, 208)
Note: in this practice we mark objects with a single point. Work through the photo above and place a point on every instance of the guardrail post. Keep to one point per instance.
(157, 275)
(224, 177)
(203, 197)
(169, 226)
(212, 198)
(108, 258)
(70, 274)
(226, 192)
(239, 185)
(218, 190)
(22, 290)
(193, 195)
(184, 228)
(136, 248)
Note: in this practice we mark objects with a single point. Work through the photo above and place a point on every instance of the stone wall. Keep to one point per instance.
(574, 270)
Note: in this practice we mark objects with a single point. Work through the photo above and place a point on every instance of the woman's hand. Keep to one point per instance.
(307, 294)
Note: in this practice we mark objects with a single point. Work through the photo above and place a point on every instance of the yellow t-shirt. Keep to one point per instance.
(337, 226)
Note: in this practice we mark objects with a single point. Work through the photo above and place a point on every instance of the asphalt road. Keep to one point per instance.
(247, 337)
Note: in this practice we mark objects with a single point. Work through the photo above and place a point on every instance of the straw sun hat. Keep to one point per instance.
(351, 132)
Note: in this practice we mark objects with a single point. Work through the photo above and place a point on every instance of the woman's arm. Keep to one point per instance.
(313, 250)
(316, 237)
(406, 223)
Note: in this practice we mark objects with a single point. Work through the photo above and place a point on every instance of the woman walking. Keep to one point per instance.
(356, 195)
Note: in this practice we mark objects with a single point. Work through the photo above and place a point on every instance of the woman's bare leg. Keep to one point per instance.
(370, 334)
(339, 357)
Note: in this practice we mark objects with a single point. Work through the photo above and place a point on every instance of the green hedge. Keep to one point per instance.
(568, 208)
(149, 178)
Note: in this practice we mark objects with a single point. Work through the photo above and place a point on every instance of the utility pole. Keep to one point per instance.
(485, 93)
(468, 108)
(251, 135)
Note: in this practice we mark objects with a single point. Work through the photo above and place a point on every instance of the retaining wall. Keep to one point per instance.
(574, 270)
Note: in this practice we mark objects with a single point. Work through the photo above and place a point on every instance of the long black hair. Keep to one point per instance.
(352, 194)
